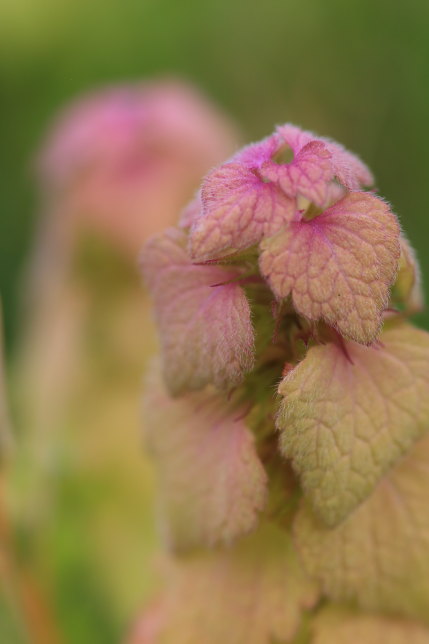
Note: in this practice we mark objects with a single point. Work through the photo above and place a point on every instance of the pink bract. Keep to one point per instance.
(254, 195)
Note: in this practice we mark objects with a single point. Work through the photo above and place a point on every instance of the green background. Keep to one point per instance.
(355, 71)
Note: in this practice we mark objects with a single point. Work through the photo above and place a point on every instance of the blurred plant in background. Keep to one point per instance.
(118, 166)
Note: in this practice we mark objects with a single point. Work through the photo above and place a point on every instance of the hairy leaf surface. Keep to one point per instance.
(338, 266)
(346, 166)
(309, 174)
(238, 210)
(212, 483)
(379, 555)
(205, 326)
(346, 419)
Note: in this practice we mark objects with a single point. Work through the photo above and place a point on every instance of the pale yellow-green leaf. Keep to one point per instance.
(346, 419)
(252, 593)
(379, 556)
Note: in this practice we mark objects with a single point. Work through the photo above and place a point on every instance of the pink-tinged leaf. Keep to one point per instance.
(338, 266)
(211, 481)
(378, 557)
(346, 419)
(407, 291)
(252, 593)
(338, 625)
(238, 210)
(205, 326)
(347, 167)
(309, 174)
(191, 212)
(254, 155)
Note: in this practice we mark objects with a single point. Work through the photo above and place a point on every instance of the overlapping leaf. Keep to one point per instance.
(206, 330)
(308, 174)
(334, 625)
(238, 210)
(346, 166)
(338, 266)
(346, 419)
(211, 481)
(191, 212)
(253, 593)
(254, 195)
(379, 555)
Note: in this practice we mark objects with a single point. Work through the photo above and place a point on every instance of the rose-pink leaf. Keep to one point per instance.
(308, 174)
(206, 330)
(338, 266)
(346, 166)
(191, 212)
(211, 481)
(238, 210)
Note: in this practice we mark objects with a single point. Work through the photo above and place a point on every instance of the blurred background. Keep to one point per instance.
(356, 71)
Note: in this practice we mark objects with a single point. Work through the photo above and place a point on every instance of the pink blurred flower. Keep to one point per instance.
(124, 160)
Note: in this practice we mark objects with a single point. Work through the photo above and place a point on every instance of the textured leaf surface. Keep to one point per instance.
(206, 330)
(344, 424)
(211, 480)
(346, 166)
(191, 212)
(253, 593)
(238, 210)
(342, 626)
(308, 174)
(338, 266)
(379, 556)
(254, 155)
